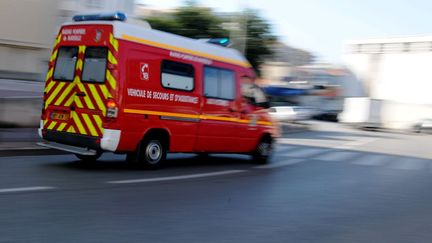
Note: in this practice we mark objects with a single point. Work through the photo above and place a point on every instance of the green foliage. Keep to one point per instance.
(199, 22)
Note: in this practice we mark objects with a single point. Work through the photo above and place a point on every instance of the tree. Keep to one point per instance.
(258, 38)
(191, 21)
(199, 22)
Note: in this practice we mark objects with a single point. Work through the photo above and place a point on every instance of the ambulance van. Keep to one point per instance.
(129, 89)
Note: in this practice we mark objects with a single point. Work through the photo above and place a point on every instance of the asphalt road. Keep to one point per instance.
(331, 184)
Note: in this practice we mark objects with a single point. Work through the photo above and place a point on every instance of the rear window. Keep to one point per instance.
(64, 69)
(95, 62)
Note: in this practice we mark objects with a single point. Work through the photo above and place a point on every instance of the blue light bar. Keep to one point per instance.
(119, 16)
(220, 41)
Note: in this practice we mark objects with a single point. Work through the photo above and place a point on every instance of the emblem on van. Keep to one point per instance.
(145, 75)
(98, 36)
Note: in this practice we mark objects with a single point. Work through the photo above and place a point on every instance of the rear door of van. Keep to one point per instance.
(79, 82)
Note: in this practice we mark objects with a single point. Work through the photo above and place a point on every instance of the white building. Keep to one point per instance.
(392, 84)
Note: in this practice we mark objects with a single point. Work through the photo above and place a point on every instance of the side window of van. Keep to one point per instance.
(177, 75)
(219, 83)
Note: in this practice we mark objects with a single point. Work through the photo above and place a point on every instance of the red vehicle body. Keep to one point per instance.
(113, 86)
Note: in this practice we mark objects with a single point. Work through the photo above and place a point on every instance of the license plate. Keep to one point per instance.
(59, 116)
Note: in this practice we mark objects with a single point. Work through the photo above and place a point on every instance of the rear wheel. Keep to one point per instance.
(151, 153)
(263, 151)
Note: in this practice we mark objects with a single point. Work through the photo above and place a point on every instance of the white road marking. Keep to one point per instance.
(337, 156)
(372, 160)
(181, 177)
(352, 144)
(408, 164)
(305, 152)
(25, 189)
(285, 149)
(280, 164)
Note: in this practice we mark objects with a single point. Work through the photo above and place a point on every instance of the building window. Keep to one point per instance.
(219, 83)
(95, 62)
(64, 69)
(176, 75)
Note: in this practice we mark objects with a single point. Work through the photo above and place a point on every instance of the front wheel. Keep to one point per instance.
(263, 151)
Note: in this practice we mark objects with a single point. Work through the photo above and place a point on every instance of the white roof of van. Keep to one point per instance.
(169, 41)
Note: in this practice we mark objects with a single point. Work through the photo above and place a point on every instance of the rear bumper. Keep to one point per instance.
(72, 139)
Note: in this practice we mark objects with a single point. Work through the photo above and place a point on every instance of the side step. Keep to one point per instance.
(68, 148)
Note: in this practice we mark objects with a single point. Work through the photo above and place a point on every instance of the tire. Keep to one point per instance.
(89, 158)
(151, 153)
(263, 150)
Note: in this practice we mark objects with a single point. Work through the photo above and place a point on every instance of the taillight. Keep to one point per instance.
(112, 109)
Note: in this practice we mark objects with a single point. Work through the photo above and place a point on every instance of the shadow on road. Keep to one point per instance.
(174, 161)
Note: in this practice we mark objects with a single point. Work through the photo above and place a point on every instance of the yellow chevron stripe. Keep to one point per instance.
(89, 124)
(185, 50)
(77, 121)
(79, 65)
(112, 59)
(65, 93)
(81, 49)
(113, 42)
(98, 99)
(49, 87)
(70, 100)
(45, 122)
(62, 126)
(105, 92)
(53, 123)
(71, 129)
(54, 94)
(58, 39)
(86, 98)
(78, 102)
(98, 121)
(54, 55)
(49, 74)
(111, 80)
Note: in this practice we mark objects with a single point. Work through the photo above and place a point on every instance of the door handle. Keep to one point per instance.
(232, 110)
(81, 94)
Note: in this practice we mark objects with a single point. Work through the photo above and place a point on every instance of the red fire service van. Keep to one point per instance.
(114, 86)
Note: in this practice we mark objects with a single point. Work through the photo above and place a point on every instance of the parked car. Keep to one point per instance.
(423, 126)
(291, 113)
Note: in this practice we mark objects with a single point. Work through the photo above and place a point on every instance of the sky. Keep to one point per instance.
(322, 26)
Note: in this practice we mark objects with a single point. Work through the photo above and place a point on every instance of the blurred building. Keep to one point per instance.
(28, 29)
(282, 62)
(392, 85)
(26, 35)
